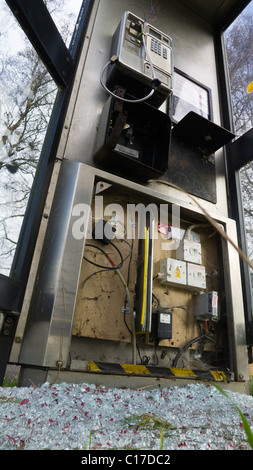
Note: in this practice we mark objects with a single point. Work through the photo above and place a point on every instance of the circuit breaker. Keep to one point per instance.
(182, 274)
(196, 276)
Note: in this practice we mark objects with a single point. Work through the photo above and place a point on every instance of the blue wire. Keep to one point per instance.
(152, 8)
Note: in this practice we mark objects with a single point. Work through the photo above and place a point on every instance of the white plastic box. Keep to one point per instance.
(173, 272)
(190, 251)
(196, 276)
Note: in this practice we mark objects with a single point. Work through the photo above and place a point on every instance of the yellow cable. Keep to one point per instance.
(144, 277)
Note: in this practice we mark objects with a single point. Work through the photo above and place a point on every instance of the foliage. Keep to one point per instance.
(239, 46)
(27, 96)
(245, 423)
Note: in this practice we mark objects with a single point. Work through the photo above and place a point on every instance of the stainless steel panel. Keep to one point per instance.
(194, 54)
(235, 309)
(48, 329)
(48, 333)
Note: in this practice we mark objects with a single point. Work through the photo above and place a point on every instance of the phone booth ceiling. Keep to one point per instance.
(218, 13)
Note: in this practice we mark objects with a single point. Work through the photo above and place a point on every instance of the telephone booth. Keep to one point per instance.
(129, 270)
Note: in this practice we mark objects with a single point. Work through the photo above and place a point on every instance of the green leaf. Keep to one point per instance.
(245, 423)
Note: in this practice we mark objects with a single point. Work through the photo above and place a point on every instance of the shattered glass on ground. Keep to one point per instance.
(81, 416)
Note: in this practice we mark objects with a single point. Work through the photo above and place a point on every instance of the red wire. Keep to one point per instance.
(110, 259)
(153, 12)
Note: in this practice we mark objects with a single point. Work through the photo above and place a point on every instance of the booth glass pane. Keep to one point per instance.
(246, 179)
(239, 49)
(65, 14)
(27, 94)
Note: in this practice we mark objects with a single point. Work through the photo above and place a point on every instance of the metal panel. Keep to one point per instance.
(235, 307)
(7, 332)
(188, 32)
(43, 34)
(241, 151)
(49, 323)
(10, 294)
(48, 332)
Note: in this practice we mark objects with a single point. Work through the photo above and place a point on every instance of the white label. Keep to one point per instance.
(127, 151)
(165, 318)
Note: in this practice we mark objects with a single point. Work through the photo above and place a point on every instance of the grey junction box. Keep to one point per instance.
(206, 306)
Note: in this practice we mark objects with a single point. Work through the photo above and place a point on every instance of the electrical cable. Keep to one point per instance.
(186, 346)
(104, 253)
(202, 337)
(116, 269)
(151, 13)
(126, 100)
(130, 308)
(105, 269)
(93, 274)
(193, 227)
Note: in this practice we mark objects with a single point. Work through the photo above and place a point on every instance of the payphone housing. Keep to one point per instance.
(144, 54)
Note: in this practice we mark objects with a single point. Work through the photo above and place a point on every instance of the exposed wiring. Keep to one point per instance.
(91, 275)
(210, 219)
(203, 337)
(152, 13)
(183, 307)
(102, 251)
(130, 308)
(106, 268)
(116, 269)
(187, 235)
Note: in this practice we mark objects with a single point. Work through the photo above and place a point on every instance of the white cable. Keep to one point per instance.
(114, 59)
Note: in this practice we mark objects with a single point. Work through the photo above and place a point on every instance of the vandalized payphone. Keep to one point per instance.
(141, 61)
(134, 135)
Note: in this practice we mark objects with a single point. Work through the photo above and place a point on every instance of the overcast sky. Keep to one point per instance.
(12, 36)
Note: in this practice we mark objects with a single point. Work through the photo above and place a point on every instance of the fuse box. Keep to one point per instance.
(190, 251)
(172, 272)
(181, 273)
(196, 276)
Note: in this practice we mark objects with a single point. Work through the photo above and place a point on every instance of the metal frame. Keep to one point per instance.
(48, 334)
(237, 154)
(240, 154)
(61, 63)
